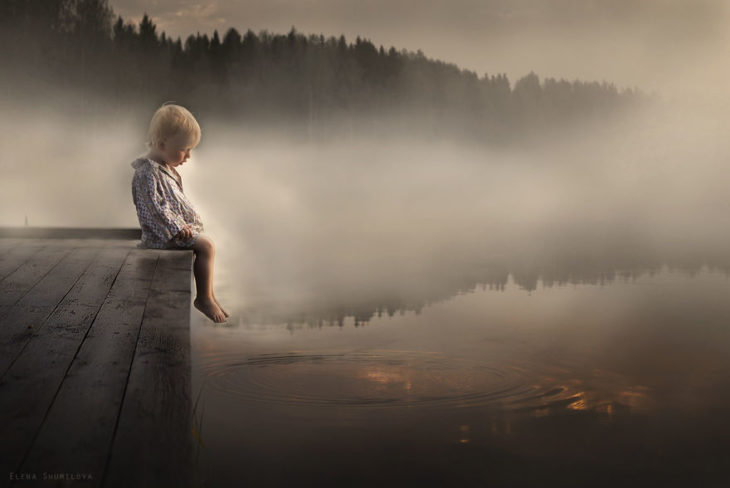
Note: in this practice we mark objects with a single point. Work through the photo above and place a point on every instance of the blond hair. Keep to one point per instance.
(169, 120)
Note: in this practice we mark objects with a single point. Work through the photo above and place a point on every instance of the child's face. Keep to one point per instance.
(176, 149)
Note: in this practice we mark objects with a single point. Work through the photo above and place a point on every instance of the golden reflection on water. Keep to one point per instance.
(579, 403)
(636, 397)
(420, 378)
(379, 375)
(572, 393)
(464, 430)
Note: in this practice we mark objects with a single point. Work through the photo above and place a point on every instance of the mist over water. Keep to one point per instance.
(303, 225)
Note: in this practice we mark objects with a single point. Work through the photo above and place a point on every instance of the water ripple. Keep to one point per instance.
(381, 378)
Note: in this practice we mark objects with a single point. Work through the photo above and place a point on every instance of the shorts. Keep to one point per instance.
(176, 243)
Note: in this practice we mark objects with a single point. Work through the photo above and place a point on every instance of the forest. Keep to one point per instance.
(77, 55)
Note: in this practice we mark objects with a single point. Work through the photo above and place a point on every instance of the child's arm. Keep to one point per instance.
(154, 210)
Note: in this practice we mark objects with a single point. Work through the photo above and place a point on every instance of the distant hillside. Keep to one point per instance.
(80, 47)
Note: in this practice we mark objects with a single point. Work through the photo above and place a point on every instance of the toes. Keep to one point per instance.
(213, 312)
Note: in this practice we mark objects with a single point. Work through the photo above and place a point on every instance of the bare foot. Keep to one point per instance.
(209, 308)
(225, 312)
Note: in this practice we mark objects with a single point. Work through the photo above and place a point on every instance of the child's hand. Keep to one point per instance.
(185, 233)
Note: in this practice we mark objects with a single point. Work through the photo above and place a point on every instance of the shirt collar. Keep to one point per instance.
(164, 169)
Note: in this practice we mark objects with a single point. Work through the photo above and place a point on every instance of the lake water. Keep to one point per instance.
(610, 377)
(435, 314)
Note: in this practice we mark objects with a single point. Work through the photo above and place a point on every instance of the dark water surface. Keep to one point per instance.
(615, 381)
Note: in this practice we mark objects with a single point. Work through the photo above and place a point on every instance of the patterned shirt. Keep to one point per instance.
(162, 207)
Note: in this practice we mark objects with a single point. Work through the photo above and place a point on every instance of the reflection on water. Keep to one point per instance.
(620, 380)
(378, 378)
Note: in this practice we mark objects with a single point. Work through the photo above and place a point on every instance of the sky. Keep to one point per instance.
(677, 48)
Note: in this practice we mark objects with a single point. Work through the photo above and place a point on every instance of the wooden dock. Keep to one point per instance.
(94, 362)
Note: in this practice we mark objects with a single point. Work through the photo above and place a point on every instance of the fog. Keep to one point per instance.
(355, 224)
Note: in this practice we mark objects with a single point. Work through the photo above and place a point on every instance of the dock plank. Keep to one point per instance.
(28, 315)
(156, 415)
(100, 386)
(14, 286)
(7, 244)
(77, 433)
(29, 386)
(14, 257)
(71, 233)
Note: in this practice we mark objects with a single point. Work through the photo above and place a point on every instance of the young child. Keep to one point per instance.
(166, 216)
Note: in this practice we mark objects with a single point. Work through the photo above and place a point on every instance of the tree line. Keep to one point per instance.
(308, 81)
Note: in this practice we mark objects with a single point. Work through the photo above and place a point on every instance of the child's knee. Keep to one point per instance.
(204, 244)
